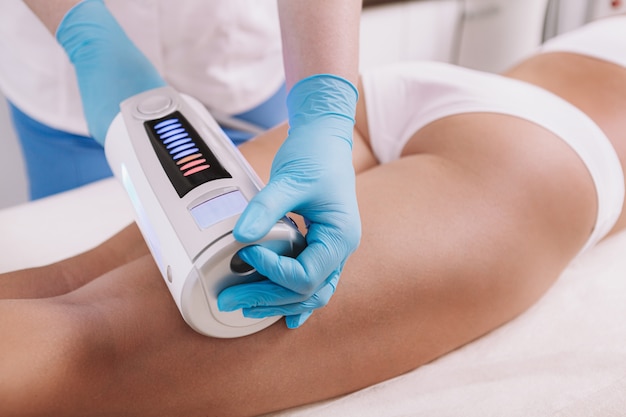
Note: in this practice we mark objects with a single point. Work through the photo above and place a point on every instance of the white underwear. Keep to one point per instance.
(403, 98)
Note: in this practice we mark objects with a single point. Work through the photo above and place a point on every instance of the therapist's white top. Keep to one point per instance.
(226, 53)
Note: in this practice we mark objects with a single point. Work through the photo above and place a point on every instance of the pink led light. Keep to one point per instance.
(192, 164)
(189, 158)
(196, 169)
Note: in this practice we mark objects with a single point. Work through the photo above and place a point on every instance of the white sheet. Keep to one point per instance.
(565, 357)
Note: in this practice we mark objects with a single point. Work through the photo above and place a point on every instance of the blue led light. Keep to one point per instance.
(171, 133)
(178, 143)
(168, 128)
(181, 148)
(185, 153)
(165, 123)
(175, 137)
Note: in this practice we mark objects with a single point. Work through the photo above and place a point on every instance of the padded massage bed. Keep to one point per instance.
(565, 356)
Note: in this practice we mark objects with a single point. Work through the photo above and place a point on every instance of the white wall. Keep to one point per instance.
(489, 35)
(409, 30)
(498, 33)
(13, 185)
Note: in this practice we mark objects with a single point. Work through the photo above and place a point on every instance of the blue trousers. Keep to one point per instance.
(58, 161)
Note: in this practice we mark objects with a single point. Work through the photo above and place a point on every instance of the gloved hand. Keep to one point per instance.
(109, 67)
(312, 175)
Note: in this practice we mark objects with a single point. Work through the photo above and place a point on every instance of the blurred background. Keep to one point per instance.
(490, 35)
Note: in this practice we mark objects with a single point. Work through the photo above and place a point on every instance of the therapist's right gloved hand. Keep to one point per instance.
(312, 175)
(109, 67)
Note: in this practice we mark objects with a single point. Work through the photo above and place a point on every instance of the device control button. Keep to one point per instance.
(153, 105)
(238, 266)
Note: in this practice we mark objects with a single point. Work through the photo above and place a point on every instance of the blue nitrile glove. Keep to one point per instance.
(109, 67)
(312, 175)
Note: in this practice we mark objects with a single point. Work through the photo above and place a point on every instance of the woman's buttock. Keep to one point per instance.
(516, 136)
(587, 67)
(595, 86)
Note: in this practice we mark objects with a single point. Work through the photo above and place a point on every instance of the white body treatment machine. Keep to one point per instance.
(188, 185)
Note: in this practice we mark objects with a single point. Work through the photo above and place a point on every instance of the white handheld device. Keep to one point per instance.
(188, 185)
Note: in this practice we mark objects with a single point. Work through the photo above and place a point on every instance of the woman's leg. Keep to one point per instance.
(69, 274)
(461, 234)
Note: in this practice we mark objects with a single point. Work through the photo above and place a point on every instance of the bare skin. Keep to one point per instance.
(463, 233)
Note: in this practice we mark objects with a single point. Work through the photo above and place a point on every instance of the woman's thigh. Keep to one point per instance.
(458, 238)
(462, 233)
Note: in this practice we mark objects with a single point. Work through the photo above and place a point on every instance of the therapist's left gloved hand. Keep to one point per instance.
(312, 175)
(109, 67)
